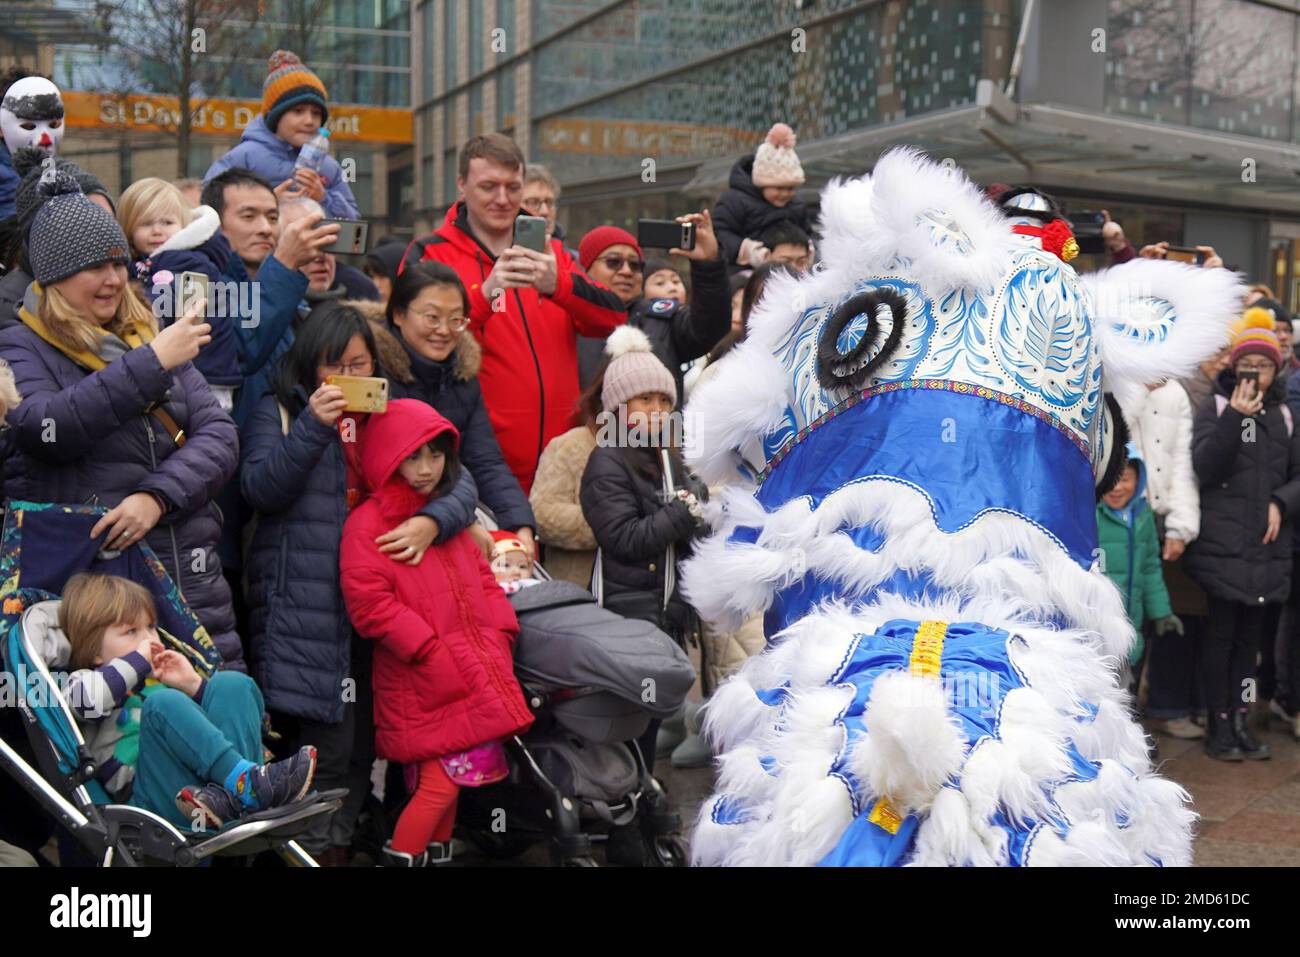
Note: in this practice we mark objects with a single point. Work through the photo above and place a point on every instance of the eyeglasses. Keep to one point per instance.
(615, 263)
(541, 203)
(360, 367)
(1251, 367)
(450, 323)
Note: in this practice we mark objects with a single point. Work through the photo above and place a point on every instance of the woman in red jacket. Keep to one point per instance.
(444, 685)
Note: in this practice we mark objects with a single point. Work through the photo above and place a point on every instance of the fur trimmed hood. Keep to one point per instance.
(392, 355)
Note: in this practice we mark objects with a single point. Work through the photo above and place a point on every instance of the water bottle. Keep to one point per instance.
(313, 152)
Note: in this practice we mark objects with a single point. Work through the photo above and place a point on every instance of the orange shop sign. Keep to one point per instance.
(372, 124)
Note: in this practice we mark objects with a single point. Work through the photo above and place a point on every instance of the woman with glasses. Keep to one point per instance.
(1246, 454)
(439, 364)
(300, 473)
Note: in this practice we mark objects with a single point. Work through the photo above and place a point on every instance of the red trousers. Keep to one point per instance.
(431, 812)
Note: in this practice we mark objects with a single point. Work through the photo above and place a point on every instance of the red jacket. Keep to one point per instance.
(530, 350)
(443, 669)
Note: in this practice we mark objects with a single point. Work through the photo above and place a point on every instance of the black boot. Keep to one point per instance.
(1251, 747)
(1220, 741)
(394, 858)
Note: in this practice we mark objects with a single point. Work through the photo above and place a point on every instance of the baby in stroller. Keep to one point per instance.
(186, 747)
(595, 680)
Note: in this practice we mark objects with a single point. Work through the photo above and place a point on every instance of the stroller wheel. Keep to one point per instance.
(497, 845)
(667, 850)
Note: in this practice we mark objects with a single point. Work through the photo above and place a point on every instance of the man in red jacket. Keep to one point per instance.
(526, 308)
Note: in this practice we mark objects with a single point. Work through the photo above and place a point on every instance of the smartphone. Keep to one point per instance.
(1250, 375)
(665, 234)
(190, 288)
(353, 234)
(1185, 254)
(364, 393)
(530, 232)
(1087, 225)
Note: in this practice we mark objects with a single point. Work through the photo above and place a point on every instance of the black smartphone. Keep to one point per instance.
(1087, 225)
(1251, 376)
(353, 234)
(1186, 254)
(530, 232)
(665, 234)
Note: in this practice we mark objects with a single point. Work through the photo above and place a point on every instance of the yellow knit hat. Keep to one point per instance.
(1253, 334)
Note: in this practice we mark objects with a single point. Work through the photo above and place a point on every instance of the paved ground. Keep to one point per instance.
(1250, 811)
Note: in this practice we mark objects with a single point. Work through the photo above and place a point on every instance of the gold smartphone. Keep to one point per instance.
(364, 393)
(190, 288)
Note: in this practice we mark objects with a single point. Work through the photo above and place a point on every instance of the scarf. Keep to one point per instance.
(110, 346)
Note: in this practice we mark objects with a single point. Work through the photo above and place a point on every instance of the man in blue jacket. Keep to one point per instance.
(267, 258)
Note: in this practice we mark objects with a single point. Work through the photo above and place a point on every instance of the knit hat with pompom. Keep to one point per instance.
(287, 84)
(31, 165)
(633, 369)
(775, 162)
(1253, 335)
(70, 233)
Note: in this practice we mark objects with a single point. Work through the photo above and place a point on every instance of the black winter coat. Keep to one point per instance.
(13, 286)
(1238, 479)
(742, 213)
(104, 446)
(678, 332)
(622, 501)
(300, 634)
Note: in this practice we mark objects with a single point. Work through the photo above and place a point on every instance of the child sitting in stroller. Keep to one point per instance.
(153, 724)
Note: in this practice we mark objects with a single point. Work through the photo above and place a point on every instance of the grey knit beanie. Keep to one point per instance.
(633, 369)
(70, 233)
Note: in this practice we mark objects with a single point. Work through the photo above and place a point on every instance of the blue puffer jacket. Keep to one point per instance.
(300, 635)
(9, 180)
(266, 154)
(84, 437)
(451, 387)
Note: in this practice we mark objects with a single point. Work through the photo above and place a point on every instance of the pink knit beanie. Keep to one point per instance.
(633, 369)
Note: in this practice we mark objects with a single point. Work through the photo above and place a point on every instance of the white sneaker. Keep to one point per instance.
(1183, 728)
(1275, 708)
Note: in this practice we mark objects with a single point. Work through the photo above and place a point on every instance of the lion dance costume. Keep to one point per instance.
(912, 438)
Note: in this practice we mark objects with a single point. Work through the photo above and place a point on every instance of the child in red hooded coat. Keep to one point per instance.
(445, 690)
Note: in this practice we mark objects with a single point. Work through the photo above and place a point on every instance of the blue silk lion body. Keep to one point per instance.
(908, 443)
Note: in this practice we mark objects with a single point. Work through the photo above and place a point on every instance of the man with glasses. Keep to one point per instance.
(527, 308)
(678, 331)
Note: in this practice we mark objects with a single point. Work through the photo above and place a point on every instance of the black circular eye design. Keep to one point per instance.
(1115, 439)
(854, 342)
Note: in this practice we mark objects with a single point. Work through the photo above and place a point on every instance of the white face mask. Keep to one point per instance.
(32, 115)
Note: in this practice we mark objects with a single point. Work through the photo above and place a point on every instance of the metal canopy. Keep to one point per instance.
(1064, 148)
(38, 23)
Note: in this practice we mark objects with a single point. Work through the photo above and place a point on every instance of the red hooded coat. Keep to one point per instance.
(443, 670)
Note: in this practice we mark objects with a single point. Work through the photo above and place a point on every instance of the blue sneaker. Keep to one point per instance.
(212, 806)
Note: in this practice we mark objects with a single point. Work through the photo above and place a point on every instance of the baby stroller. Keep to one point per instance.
(41, 547)
(594, 680)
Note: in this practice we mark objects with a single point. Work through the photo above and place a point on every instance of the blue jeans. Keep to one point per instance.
(183, 741)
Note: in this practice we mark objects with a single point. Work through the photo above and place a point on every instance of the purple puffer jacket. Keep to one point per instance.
(83, 437)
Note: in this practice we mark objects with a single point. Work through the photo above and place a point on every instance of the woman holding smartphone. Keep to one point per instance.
(1246, 454)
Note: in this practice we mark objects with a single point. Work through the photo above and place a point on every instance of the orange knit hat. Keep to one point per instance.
(288, 84)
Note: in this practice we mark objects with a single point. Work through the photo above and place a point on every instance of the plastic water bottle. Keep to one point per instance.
(313, 152)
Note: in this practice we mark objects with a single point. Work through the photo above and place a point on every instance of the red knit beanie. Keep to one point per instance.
(600, 239)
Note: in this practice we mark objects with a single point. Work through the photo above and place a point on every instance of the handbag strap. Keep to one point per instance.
(175, 431)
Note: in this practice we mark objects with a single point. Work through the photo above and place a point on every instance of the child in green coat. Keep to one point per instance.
(1126, 532)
